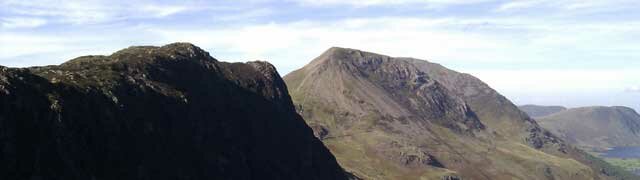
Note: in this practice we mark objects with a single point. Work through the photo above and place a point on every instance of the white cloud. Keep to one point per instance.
(90, 11)
(567, 87)
(514, 5)
(21, 49)
(245, 15)
(444, 40)
(294, 44)
(568, 6)
(509, 5)
(21, 22)
(14, 45)
(536, 81)
(363, 3)
(633, 89)
(163, 10)
(68, 11)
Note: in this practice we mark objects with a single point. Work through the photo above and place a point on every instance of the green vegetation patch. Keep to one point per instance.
(629, 164)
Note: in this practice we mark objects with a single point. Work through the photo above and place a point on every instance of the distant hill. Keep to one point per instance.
(596, 127)
(404, 118)
(536, 111)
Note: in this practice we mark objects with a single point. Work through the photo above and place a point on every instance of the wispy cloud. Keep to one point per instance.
(567, 6)
(21, 22)
(633, 89)
(558, 80)
(365, 3)
(163, 10)
(245, 15)
(25, 49)
(515, 5)
(419, 38)
(89, 11)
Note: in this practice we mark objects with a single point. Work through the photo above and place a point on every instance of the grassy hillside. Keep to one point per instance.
(402, 118)
(596, 128)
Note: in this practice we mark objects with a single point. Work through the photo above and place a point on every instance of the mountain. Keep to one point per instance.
(170, 112)
(536, 111)
(596, 127)
(404, 118)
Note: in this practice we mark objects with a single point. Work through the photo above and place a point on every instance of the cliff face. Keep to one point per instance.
(170, 112)
(403, 118)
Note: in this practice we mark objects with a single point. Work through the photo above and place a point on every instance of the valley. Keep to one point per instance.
(611, 133)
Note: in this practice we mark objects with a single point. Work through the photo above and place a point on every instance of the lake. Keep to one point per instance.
(632, 152)
(623, 152)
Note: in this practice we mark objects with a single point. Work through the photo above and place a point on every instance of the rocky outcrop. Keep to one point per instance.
(170, 112)
(450, 178)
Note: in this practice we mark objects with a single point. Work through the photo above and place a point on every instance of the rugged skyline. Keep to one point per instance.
(170, 112)
(583, 51)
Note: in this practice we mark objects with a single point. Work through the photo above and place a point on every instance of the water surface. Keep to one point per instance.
(623, 152)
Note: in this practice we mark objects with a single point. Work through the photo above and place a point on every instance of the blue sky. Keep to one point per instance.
(560, 52)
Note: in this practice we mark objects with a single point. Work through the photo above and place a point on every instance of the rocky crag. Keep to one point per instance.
(170, 112)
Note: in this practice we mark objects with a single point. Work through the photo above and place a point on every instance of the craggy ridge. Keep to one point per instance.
(170, 112)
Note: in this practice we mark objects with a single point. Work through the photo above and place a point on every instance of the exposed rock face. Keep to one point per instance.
(536, 111)
(403, 118)
(596, 127)
(170, 112)
(450, 178)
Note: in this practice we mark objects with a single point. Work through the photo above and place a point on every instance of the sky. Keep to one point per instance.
(549, 52)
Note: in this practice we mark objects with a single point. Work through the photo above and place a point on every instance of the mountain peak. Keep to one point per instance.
(340, 55)
(338, 50)
(173, 51)
(141, 55)
(185, 49)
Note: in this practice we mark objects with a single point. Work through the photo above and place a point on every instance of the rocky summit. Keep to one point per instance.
(404, 118)
(170, 112)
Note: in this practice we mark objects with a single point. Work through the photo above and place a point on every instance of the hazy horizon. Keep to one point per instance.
(570, 53)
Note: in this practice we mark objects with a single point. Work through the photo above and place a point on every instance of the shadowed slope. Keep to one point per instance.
(170, 112)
